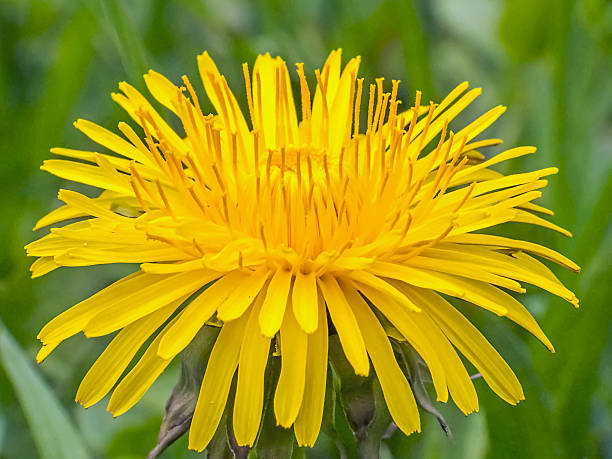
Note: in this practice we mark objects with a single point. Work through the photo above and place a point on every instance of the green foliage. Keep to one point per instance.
(53, 432)
(549, 62)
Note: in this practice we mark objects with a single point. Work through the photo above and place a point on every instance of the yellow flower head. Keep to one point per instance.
(295, 220)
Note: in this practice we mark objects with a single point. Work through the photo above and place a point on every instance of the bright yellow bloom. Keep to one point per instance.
(295, 222)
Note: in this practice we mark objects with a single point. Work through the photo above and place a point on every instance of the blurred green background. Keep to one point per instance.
(549, 62)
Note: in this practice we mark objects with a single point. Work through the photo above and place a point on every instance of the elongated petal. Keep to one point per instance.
(139, 303)
(107, 369)
(252, 362)
(137, 382)
(346, 325)
(242, 297)
(304, 301)
(194, 316)
(215, 387)
(472, 344)
(74, 319)
(429, 349)
(111, 141)
(290, 388)
(396, 390)
(499, 241)
(308, 421)
(273, 308)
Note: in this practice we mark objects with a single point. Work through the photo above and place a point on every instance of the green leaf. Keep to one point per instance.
(50, 426)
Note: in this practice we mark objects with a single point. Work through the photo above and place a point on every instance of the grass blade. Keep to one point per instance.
(51, 428)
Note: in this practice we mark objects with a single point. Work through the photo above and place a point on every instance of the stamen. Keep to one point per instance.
(142, 202)
(192, 94)
(298, 170)
(383, 111)
(356, 149)
(219, 177)
(424, 132)
(216, 134)
(226, 211)
(234, 150)
(140, 180)
(305, 92)
(263, 235)
(249, 93)
(358, 107)
(379, 99)
(160, 189)
(326, 169)
(371, 107)
(310, 177)
(197, 200)
(349, 121)
(393, 104)
(259, 106)
(468, 193)
(198, 247)
(368, 158)
(269, 166)
(415, 114)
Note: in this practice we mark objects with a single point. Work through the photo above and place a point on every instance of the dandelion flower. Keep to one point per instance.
(301, 225)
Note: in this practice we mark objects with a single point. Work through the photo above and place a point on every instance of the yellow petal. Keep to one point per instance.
(215, 387)
(330, 78)
(74, 319)
(111, 141)
(43, 266)
(87, 174)
(290, 387)
(340, 122)
(401, 318)
(135, 104)
(471, 343)
(273, 308)
(503, 242)
(89, 206)
(107, 369)
(461, 267)
(248, 404)
(162, 89)
(57, 215)
(264, 97)
(396, 390)
(137, 382)
(244, 294)
(308, 421)
(424, 278)
(376, 282)
(527, 217)
(194, 316)
(224, 101)
(45, 350)
(304, 300)
(171, 268)
(493, 298)
(346, 325)
(136, 304)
